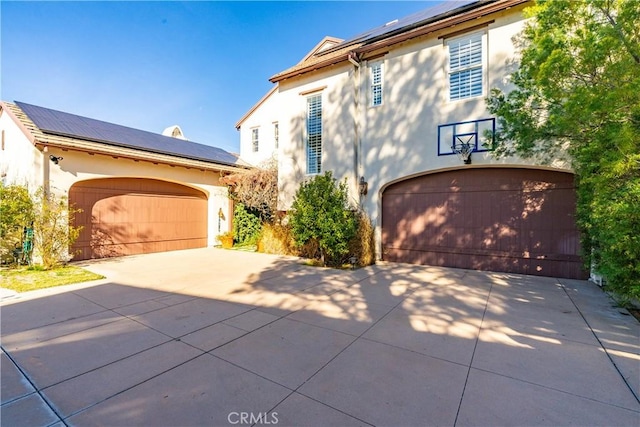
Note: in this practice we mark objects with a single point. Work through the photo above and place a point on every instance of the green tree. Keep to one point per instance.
(53, 229)
(577, 92)
(16, 213)
(321, 214)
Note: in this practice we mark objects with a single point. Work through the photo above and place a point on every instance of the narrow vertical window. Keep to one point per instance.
(465, 67)
(3, 140)
(276, 134)
(254, 140)
(376, 84)
(314, 134)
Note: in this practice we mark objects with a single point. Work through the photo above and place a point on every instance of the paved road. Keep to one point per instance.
(218, 338)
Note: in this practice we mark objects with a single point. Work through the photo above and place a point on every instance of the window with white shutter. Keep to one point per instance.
(254, 140)
(276, 134)
(465, 67)
(314, 134)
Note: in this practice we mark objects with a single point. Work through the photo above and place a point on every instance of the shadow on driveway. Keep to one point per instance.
(214, 337)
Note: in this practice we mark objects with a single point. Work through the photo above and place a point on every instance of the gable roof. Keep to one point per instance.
(325, 44)
(53, 127)
(444, 15)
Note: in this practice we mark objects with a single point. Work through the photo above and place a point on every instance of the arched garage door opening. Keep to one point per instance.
(496, 219)
(126, 216)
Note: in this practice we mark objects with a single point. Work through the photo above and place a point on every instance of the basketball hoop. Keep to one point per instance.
(463, 148)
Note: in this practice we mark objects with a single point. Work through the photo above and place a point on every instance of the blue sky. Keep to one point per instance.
(149, 65)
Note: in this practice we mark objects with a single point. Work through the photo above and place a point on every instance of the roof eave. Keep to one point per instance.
(12, 111)
(318, 65)
(440, 22)
(255, 107)
(90, 147)
(40, 140)
(457, 19)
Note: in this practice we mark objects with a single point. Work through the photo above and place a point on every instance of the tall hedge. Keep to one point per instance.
(577, 92)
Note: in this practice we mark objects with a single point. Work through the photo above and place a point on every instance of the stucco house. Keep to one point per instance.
(260, 126)
(139, 192)
(399, 112)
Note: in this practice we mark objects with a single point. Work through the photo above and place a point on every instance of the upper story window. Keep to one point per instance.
(276, 134)
(254, 140)
(376, 84)
(314, 134)
(465, 67)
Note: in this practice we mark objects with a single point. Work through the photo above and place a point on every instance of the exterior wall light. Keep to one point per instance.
(363, 186)
(55, 159)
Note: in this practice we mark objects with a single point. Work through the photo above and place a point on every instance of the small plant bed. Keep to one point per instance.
(32, 278)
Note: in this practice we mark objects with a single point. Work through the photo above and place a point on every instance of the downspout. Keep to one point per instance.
(45, 171)
(353, 59)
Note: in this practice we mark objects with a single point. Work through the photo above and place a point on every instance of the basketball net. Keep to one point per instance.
(463, 148)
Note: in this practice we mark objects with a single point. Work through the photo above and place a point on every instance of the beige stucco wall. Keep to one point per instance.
(399, 138)
(263, 118)
(78, 166)
(28, 165)
(338, 134)
(20, 161)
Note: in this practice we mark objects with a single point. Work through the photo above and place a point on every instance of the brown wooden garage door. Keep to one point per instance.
(508, 220)
(124, 216)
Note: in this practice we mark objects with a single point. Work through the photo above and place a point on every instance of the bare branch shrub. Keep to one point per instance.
(257, 189)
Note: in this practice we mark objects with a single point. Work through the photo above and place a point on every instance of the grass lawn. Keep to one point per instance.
(26, 279)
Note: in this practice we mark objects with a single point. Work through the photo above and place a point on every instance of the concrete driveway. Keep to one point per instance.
(218, 338)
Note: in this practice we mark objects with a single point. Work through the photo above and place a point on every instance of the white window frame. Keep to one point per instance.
(466, 66)
(255, 140)
(313, 136)
(376, 85)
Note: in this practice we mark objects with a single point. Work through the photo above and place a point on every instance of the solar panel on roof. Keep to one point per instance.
(418, 18)
(66, 124)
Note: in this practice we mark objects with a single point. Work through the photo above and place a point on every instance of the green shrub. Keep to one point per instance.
(321, 216)
(16, 213)
(612, 225)
(53, 233)
(246, 225)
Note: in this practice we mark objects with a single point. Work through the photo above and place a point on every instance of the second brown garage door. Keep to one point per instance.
(125, 216)
(498, 219)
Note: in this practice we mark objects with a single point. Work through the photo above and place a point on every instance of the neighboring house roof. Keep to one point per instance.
(174, 132)
(69, 131)
(397, 31)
